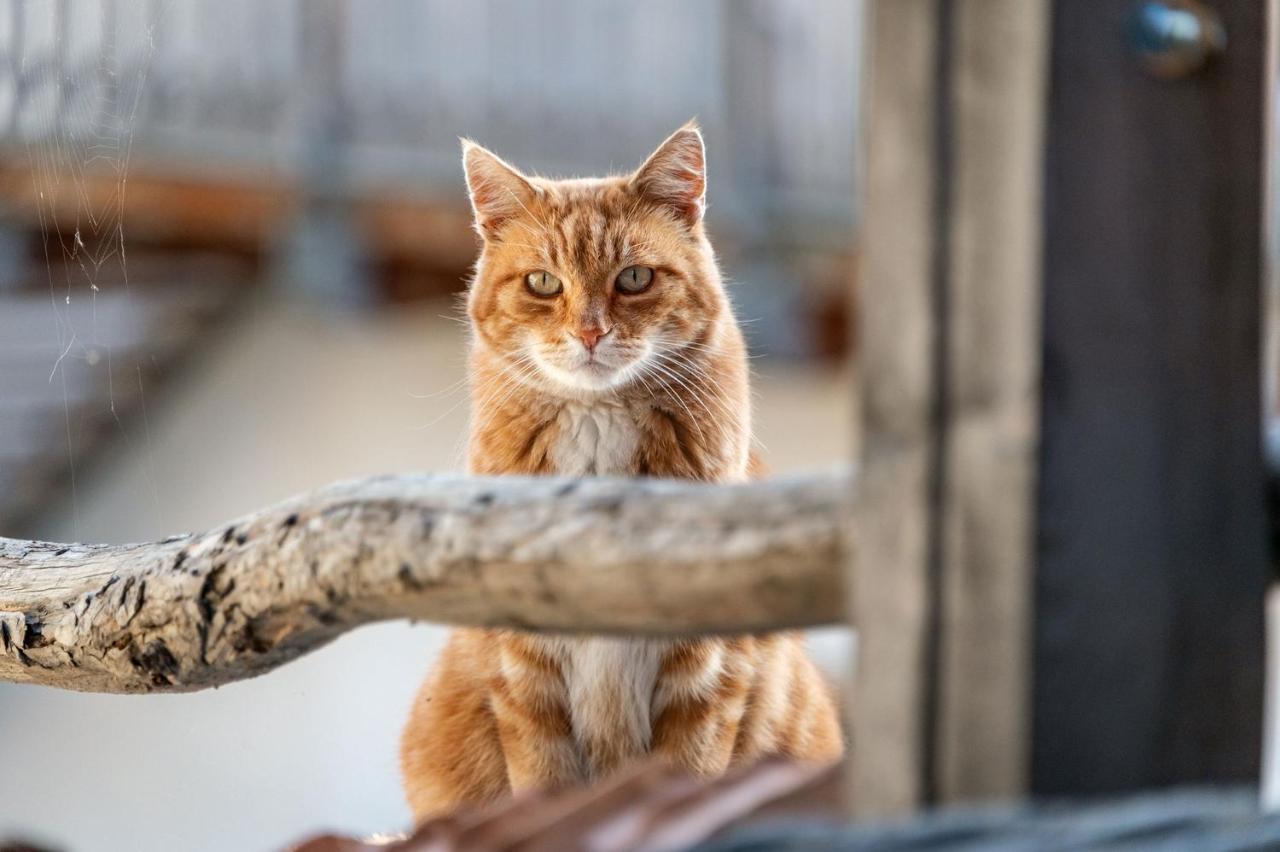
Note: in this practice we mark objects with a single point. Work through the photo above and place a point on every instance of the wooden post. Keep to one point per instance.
(948, 365)
(894, 309)
(997, 98)
(1152, 534)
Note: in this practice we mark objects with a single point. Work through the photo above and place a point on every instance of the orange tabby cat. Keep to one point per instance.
(604, 344)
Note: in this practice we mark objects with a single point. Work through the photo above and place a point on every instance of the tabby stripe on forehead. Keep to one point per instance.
(551, 248)
(599, 237)
(559, 237)
(576, 243)
(620, 249)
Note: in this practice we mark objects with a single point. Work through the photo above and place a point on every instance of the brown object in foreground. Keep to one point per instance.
(649, 807)
(602, 556)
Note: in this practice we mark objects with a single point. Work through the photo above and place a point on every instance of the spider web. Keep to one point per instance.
(74, 90)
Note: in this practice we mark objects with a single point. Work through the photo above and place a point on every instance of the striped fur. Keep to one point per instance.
(663, 393)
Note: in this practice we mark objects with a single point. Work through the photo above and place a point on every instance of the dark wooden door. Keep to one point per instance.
(1152, 536)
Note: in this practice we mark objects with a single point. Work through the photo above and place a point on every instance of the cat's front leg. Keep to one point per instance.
(530, 706)
(700, 703)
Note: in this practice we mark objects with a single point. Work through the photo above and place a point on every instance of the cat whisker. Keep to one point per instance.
(453, 388)
(704, 397)
(676, 344)
(680, 399)
(673, 353)
(713, 386)
(507, 385)
(714, 392)
(506, 380)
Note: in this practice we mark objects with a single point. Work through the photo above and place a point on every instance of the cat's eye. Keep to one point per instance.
(543, 283)
(634, 279)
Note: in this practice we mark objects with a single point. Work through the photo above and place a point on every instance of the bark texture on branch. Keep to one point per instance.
(597, 555)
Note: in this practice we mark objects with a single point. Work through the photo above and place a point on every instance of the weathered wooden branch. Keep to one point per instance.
(598, 555)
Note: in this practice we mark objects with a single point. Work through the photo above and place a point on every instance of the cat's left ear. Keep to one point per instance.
(498, 190)
(675, 175)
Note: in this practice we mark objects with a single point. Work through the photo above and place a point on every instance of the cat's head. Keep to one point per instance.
(585, 285)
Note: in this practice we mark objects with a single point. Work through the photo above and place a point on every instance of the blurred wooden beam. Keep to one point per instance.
(240, 212)
(235, 211)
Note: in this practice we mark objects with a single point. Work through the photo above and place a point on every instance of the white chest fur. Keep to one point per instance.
(611, 684)
(594, 438)
(610, 681)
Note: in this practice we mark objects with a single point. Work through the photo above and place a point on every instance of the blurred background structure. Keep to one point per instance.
(232, 235)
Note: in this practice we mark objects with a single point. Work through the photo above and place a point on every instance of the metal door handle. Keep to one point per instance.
(1173, 39)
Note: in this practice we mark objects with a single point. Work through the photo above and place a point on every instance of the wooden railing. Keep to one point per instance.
(603, 556)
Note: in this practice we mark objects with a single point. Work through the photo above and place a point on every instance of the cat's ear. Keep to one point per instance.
(675, 175)
(498, 190)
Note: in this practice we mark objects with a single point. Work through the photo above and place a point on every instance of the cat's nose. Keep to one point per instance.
(591, 335)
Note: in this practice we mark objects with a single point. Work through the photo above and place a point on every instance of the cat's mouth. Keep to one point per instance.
(595, 367)
(591, 371)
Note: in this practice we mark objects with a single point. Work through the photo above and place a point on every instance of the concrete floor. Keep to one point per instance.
(287, 400)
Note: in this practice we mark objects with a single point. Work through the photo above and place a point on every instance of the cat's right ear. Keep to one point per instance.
(498, 191)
